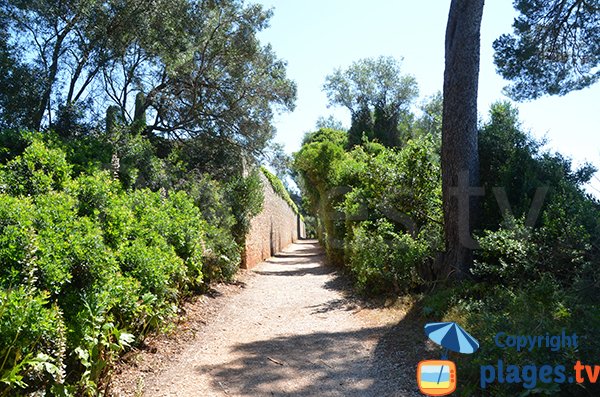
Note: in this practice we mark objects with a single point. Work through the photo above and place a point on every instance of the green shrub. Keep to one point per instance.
(370, 183)
(12, 144)
(221, 253)
(89, 267)
(245, 195)
(139, 166)
(95, 193)
(32, 341)
(564, 241)
(160, 271)
(18, 241)
(39, 169)
(86, 154)
(174, 223)
(71, 251)
(383, 260)
(536, 308)
(55, 221)
(508, 256)
(318, 162)
(97, 344)
(185, 231)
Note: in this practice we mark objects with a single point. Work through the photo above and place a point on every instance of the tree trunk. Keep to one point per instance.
(50, 80)
(460, 159)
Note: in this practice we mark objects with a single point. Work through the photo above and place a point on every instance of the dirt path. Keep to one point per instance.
(294, 331)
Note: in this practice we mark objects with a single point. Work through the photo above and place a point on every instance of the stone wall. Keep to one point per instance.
(273, 229)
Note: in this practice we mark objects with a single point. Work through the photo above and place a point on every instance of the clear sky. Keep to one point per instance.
(317, 36)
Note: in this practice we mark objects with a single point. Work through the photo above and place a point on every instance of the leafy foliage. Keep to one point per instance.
(383, 260)
(378, 208)
(566, 220)
(485, 309)
(553, 50)
(107, 223)
(317, 162)
(506, 255)
(198, 70)
(529, 274)
(246, 197)
(89, 268)
(32, 339)
(377, 95)
(278, 187)
(38, 170)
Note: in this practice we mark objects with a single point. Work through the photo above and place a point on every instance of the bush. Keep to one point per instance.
(221, 253)
(508, 256)
(95, 193)
(18, 241)
(160, 271)
(245, 196)
(536, 308)
(369, 190)
(32, 341)
(89, 268)
(564, 238)
(318, 163)
(38, 170)
(174, 223)
(222, 256)
(12, 144)
(383, 260)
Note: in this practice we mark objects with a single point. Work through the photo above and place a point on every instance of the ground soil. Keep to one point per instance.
(289, 327)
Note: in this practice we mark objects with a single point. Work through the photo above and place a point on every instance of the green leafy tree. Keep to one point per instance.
(317, 163)
(200, 67)
(66, 44)
(554, 48)
(378, 209)
(430, 121)
(508, 167)
(329, 122)
(213, 78)
(362, 126)
(20, 84)
(538, 220)
(376, 94)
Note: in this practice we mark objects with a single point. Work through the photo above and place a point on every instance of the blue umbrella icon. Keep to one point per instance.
(452, 337)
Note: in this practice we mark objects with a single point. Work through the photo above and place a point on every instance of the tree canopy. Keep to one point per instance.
(376, 93)
(554, 48)
(199, 65)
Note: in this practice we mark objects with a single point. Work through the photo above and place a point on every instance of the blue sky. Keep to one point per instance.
(317, 36)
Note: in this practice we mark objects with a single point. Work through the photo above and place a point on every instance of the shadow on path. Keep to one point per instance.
(370, 361)
(335, 361)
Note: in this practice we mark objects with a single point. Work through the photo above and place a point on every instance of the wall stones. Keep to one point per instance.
(273, 229)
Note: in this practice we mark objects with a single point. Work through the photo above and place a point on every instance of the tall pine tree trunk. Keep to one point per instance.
(460, 160)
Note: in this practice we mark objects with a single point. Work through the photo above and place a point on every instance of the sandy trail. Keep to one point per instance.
(292, 331)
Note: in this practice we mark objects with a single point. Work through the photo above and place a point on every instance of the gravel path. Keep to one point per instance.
(294, 331)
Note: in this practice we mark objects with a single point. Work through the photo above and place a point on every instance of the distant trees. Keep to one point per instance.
(199, 65)
(329, 122)
(376, 94)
